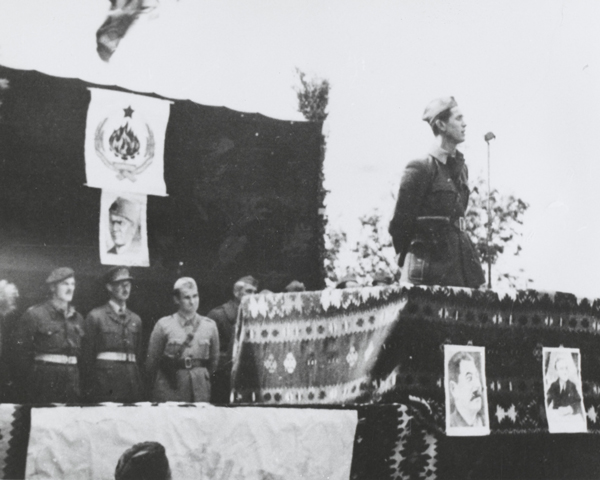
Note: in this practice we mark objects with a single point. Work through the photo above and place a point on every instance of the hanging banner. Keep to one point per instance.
(123, 232)
(124, 142)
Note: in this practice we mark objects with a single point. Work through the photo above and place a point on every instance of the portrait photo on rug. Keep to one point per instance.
(123, 234)
(466, 393)
(562, 390)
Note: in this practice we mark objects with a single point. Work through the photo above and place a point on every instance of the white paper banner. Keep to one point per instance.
(124, 142)
(201, 442)
(123, 232)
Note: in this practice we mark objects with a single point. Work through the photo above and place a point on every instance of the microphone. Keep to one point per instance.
(489, 136)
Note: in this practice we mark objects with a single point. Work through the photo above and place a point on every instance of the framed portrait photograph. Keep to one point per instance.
(562, 390)
(123, 233)
(466, 393)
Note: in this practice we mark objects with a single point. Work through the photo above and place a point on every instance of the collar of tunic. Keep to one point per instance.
(442, 155)
(184, 321)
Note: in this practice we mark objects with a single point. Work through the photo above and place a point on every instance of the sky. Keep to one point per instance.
(527, 70)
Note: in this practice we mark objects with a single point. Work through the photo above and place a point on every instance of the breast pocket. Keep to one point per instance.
(203, 347)
(443, 199)
(49, 337)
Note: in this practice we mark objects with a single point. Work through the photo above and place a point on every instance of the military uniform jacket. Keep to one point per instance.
(225, 317)
(44, 329)
(169, 334)
(435, 253)
(108, 331)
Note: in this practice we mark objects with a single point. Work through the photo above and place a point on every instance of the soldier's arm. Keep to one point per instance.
(22, 349)
(214, 350)
(156, 348)
(88, 354)
(413, 188)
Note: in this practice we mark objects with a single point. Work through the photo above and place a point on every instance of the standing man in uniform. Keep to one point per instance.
(428, 227)
(48, 344)
(226, 316)
(184, 350)
(114, 344)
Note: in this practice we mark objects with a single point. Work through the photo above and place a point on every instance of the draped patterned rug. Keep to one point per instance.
(14, 436)
(385, 344)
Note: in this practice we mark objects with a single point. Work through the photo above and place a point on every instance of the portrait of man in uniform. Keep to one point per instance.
(123, 237)
(466, 399)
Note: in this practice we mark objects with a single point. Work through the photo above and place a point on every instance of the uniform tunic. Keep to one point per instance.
(169, 334)
(435, 252)
(225, 316)
(44, 329)
(109, 331)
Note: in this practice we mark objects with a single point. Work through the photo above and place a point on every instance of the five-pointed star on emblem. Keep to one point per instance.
(128, 111)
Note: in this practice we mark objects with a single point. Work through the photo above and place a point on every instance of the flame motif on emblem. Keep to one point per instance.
(123, 143)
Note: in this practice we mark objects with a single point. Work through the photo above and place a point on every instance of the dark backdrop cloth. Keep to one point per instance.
(245, 193)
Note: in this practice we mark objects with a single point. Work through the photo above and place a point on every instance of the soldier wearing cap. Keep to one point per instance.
(48, 345)
(124, 225)
(348, 281)
(184, 350)
(295, 286)
(114, 344)
(226, 316)
(428, 227)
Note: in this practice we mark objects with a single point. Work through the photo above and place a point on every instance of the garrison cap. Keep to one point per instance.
(437, 106)
(184, 282)
(146, 460)
(295, 286)
(382, 277)
(344, 280)
(117, 274)
(60, 274)
(123, 207)
(248, 279)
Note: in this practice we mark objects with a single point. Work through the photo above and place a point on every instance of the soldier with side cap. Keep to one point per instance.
(184, 350)
(48, 345)
(114, 344)
(226, 316)
(428, 227)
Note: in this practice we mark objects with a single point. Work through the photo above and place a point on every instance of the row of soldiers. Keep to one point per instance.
(60, 357)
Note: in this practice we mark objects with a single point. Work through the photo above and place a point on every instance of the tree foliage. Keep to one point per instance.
(313, 97)
(506, 228)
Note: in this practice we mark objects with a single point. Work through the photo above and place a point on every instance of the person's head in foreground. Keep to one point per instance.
(144, 461)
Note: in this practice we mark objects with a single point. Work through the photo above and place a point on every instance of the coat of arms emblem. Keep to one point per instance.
(125, 143)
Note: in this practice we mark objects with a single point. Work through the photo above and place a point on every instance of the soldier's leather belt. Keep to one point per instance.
(439, 221)
(116, 356)
(460, 224)
(188, 363)
(56, 358)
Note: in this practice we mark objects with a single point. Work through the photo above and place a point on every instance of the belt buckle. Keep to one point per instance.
(187, 362)
(71, 360)
(462, 224)
(129, 357)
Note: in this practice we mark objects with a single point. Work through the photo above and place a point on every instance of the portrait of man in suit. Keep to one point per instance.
(564, 398)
